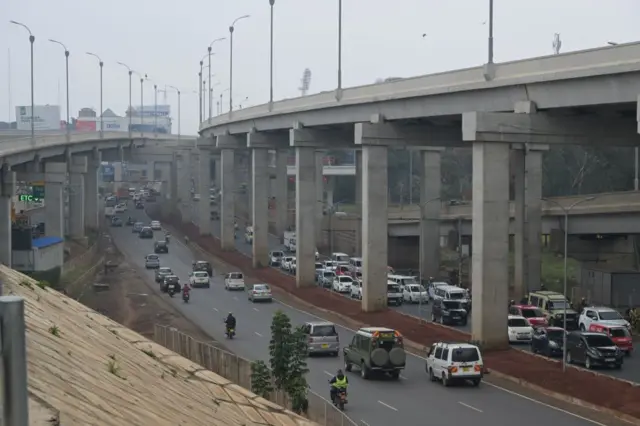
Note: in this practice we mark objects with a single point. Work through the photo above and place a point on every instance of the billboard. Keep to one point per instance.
(149, 110)
(45, 117)
(85, 125)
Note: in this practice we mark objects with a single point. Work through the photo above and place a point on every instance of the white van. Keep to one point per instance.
(355, 265)
(340, 257)
(452, 292)
(402, 280)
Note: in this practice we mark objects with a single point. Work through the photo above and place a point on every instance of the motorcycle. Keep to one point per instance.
(185, 297)
(340, 399)
(171, 290)
(231, 332)
(167, 238)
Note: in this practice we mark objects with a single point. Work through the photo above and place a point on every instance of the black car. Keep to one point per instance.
(139, 206)
(151, 198)
(448, 312)
(116, 221)
(160, 247)
(202, 265)
(162, 272)
(130, 221)
(137, 227)
(146, 232)
(593, 349)
(170, 279)
(547, 341)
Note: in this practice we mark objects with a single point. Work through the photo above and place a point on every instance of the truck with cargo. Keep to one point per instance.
(290, 241)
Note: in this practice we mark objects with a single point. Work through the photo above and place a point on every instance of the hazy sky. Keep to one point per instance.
(382, 38)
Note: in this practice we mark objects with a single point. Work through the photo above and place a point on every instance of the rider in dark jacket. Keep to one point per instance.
(230, 321)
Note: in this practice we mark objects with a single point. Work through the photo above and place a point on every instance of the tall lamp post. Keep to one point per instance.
(141, 101)
(211, 91)
(232, 28)
(566, 211)
(339, 89)
(271, 4)
(66, 63)
(130, 106)
(490, 41)
(178, 92)
(32, 40)
(155, 104)
(220, 104)
(101, 66)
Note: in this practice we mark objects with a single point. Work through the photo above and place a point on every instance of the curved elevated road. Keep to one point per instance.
(413, 400)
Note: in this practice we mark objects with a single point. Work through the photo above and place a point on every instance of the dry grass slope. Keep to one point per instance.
(96, 372)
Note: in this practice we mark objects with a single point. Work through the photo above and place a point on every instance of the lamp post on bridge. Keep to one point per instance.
(32, 40)
(271, 4)
(566, 211)
(339, 89)
(210, 87)
(130, 71)
(101, 66)
(178, 92)
(231, 30)
(66, 61)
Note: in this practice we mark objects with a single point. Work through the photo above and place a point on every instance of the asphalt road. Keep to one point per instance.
(413, 400)
(630, 371)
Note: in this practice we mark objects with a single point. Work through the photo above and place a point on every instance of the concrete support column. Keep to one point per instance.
(430, 213)
(320, 204)
(533, 217)
(184, 169)
(490, 227)
(218, 171)
(227, 200)
(374, 228)
(91, 208)
(151, 170)
(77, 170)
(260, 204)
(520, 277)
(7, 189)
(173, 181)
(306, 215)
(204, 206)
(331, 183)
(358, 231)
(55, 178)
(249, 194)
(282, 199)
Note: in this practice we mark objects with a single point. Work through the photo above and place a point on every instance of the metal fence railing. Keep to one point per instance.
(238, 370)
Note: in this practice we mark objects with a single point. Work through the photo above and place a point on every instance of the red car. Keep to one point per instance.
(533, 315)
(619, 334)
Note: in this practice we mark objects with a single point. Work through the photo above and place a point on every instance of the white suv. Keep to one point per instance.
(454, 362)
(234, 281)
(199, 279)
(601, 316)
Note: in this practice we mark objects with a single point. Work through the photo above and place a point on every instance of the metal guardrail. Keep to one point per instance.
(238, 370)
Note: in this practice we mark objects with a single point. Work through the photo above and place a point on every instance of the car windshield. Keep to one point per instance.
(277, 254)
(345, 279)
(161, 243)
(164, 271)
(415, 288)
(328, 264)
(610, 315)
(456, 295)
(201, 275)
(318, 265)
(531, 313)
(324, 330)
(555, 334)
(465, 355)
(559, 304)
(451, 305)
(619, 332)
(261, 287)
(393, 288)
(328, 274)
(171, 278)
(236, 276)
(518, 322)
(599, 340)
(152, 257)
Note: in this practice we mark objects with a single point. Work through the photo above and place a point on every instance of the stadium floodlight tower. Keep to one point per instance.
(306, 82)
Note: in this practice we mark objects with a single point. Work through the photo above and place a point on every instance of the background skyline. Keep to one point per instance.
(167, 41)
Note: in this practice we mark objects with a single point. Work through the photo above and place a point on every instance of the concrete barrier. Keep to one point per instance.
(238, 370)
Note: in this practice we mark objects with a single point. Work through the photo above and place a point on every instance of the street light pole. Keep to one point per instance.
(231, 30)
(101, 66)
(200, 95)
(66, 60)
(566, 212)
(155, 109)
(178, 91)
(210, 86)
(339, 90)
(271, 4)
(130, 107)
(32, 40)
(490, 49)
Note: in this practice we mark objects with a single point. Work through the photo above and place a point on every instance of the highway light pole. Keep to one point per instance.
(178, 91)
(66, 63)
(211, 90)
(566, 212)
(271, 4)
(32, 40)
(490, 47)
(339, 90)
(231, 30)
(141, 102)
(130, 106)
(101, 66)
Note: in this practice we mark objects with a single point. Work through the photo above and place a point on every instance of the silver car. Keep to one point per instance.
(152, 261)
(260, 293)
(322, 338)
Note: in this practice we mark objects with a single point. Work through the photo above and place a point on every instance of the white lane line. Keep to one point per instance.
(258, 334)
(364, 423)
(403, 378)
(535, 401)
(388, 406)
(256, 309)
(328, 374)
(470, 407)
(216, 309)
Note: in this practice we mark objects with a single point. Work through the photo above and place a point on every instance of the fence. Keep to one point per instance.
(238, 370)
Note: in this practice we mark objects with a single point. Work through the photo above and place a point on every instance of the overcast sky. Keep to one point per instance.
(382, 38)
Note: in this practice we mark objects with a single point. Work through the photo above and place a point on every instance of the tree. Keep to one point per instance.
(280, 349)
(260, 379)
(296, 385)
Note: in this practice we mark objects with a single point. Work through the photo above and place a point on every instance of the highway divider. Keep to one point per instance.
(238, 370)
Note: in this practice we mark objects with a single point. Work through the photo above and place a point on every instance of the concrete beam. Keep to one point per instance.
(237, 141)
(542, 128)
(393, 134)
(305, 137)
(78, 164)
(269, 140)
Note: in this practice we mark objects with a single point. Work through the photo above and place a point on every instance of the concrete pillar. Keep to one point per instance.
(7, 189)
(520, 277)
(374, 228)
(490, 228)
(249, 194)
(173, 181)
(227, 200)
(91, 208)
(358, 233)
(184, 169)
(331, 183)
(430, 213)
(55, 178)
(320, 204)
(306, 215)
(260, 203)
(204, 205)
(533, 218)
(218, 171)
(77, 170)
(151, 170)
(282, 198)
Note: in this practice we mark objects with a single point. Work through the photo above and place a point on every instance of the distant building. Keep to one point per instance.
(145, 121)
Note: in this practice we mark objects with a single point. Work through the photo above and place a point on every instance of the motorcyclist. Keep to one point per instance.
(186, 239)
(230, 321)
(186, 289)
(338, 382)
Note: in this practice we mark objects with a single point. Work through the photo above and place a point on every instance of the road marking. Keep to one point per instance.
(388, 406)
(216, 309)
(470, 407)
(258, 334)
(364, 423)
(403, 378)
(256, 309)
(328, 374)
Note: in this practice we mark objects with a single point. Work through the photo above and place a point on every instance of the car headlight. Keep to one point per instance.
(559, 316)
(553, 344)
